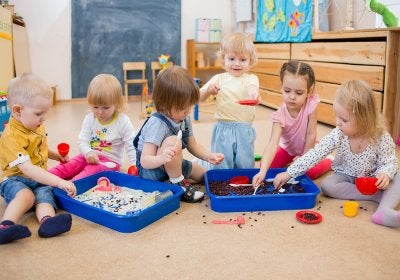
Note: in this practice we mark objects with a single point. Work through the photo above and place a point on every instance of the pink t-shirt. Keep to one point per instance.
(294, 130)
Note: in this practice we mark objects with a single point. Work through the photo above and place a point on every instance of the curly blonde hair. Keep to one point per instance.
(358, 97)
(239, 43)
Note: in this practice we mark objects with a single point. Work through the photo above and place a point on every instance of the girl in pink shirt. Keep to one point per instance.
(294, 128)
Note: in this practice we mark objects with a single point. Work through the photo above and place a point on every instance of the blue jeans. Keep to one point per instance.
(10, 187)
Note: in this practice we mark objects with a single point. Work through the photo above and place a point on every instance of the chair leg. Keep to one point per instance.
(145, 92)
(126, 92)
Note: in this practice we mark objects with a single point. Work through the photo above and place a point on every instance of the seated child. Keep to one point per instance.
(159, 150)
(106, 132)
(25, 182)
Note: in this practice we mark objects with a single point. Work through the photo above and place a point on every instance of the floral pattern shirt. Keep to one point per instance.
(376, 158)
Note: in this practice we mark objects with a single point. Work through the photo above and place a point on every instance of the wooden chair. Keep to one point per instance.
(156, 67)
(140, 67)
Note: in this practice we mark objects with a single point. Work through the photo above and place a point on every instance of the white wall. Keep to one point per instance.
(48, 24)
(192, 9)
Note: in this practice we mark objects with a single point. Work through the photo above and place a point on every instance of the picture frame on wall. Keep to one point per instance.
(284, 21)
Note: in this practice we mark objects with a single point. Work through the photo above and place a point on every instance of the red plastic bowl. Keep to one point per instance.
(240, 180)
(366, 185)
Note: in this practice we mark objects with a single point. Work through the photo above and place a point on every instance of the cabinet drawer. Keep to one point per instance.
(275, 51)
(268, 66)
(364, 53)
(337, 73)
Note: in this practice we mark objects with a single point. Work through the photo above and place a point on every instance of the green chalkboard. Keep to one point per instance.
(107, 33)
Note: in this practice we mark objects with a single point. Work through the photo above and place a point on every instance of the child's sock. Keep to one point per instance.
(388, 217)
(176, 180)
(52, 226)
(10, 232)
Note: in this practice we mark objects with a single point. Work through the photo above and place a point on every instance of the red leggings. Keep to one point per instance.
(283, 159)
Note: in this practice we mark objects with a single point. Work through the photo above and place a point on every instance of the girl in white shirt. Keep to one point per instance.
(105, 135)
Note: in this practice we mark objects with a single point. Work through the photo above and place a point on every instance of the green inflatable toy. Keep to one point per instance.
(389, 19)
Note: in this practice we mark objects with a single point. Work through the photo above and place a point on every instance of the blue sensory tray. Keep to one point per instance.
(259, 202)
(121, 223)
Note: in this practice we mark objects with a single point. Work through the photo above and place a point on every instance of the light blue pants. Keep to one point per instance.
(236, 141)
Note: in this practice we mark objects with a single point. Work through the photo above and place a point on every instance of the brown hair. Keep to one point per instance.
(239, 43)
(105, 89)
(174, 88)
(298, 68)
(24, 88)
(358, 97)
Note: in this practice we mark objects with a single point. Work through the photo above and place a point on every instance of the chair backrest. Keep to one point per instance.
(155, 67)
(134, 66)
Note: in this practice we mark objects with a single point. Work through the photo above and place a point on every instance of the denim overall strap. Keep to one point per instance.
(185, 133)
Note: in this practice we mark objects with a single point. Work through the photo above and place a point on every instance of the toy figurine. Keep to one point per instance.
(389, 19)
(163, 60)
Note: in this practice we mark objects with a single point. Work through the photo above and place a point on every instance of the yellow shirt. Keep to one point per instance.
(233, 89)
(20, 142)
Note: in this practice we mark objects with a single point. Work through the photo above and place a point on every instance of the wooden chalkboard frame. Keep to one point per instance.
(107, 33)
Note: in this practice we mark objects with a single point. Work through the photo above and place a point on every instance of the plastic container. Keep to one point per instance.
(350, 208)
(366, 185)
(4, 112)
(264, 202)
(121, 223)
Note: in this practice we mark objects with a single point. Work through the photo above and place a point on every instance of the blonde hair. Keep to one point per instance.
(358, 98)
(23, 89)
(174, 88)
(105, 89)
(238, 43)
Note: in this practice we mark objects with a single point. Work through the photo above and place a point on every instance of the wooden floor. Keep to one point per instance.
(186, 245)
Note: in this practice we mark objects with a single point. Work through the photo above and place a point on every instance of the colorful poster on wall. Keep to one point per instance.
(284, 21)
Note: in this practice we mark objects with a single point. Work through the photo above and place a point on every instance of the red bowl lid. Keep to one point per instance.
(240, 180)
(309, 217)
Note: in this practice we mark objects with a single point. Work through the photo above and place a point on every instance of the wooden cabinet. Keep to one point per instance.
(369, 55)
(202, 61)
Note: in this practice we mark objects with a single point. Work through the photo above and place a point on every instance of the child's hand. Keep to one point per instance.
(168, 154)
(215, 158)
(281, 179)
(213, 89)
(67, 186)
(383, 181)
(63, 159)
(92, 158)
(258, 179)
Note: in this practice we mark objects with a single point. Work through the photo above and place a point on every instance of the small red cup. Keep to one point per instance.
(63, 150)
(132, 170)
(366, 185)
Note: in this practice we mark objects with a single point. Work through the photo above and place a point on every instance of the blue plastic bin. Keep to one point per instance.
(121, 223)
(264, 202)
(4, 112)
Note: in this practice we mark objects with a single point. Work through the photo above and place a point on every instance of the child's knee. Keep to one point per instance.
(171, 141)
(26, 196)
